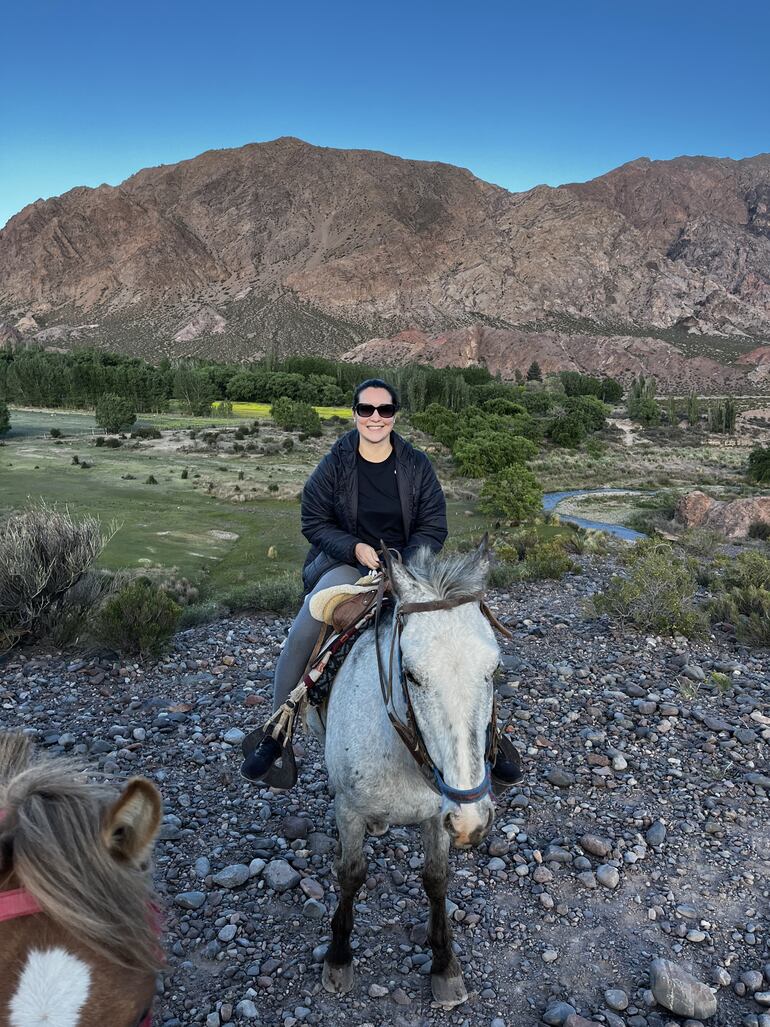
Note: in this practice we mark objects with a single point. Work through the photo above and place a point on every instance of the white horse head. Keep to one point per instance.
(449, 657)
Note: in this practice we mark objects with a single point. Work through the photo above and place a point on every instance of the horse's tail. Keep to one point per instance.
(50, 837)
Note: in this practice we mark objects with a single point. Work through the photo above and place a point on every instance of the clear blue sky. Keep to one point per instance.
(520, 93)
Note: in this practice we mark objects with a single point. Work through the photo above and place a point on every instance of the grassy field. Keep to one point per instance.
(215, 526)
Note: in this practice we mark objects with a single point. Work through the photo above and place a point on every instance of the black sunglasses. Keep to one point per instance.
(386, 410)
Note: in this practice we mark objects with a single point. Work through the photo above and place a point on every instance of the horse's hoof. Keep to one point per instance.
(337, 979)
(448, 991)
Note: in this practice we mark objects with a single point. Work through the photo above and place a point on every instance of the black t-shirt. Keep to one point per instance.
(379, 507)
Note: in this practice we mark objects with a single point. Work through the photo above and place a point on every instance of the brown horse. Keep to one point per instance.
(78, 937)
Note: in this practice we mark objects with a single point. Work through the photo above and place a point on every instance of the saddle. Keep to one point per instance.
(340, 606)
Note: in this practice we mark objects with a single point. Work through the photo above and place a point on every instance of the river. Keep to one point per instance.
(551, 502)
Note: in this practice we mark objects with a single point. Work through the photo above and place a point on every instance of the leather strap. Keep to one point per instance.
(17, 902)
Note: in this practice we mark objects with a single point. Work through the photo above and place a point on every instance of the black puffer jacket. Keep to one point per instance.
(330, 506)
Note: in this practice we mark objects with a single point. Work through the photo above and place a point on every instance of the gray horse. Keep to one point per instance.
(449, 657)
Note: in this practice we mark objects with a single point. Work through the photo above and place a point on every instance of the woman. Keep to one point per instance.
(371, 486)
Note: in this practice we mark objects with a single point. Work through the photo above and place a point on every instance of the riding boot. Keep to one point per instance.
(257, 763)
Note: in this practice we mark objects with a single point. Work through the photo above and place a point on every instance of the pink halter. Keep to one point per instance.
(18, 901)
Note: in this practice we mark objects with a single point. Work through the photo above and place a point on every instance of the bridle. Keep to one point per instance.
(408, 730)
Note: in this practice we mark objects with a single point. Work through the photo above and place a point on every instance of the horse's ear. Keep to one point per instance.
(132, 823)
(484, 555)
(400, 578)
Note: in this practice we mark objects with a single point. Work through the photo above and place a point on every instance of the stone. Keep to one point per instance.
(608, 875)
(294, 828)
(247, 1010)
(596, 845)
(378, 991)
(656, 833)
(677, 990)
(616, 999)
(279, 876)
(233, 736)
(233, 876)
(560, 778)
(190, 899)
(557, 1013)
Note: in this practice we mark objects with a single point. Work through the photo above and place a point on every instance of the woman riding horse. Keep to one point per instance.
(373, 485)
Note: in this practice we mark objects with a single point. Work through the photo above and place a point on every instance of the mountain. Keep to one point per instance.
(297, 248)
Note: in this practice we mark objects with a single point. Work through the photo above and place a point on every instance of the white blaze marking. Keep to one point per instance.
(52, 990)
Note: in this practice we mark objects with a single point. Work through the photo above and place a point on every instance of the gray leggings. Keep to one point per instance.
(303, 634)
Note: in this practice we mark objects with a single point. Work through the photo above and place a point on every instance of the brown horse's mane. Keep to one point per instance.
(51, 843)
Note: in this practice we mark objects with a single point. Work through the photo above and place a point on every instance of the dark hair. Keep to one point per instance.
(376, 383)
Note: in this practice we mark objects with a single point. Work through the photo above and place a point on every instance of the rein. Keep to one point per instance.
(409, 730)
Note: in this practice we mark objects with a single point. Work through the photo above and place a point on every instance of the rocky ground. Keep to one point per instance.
(641, 832)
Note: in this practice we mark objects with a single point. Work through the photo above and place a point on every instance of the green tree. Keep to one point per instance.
(569, 430)
(513, 493)
(5, 417)
(491, 451)
(295, 416)
(534, 374)
(642, 405)
(759, 464)
(194, 389)
(114, 413)
(693, 410)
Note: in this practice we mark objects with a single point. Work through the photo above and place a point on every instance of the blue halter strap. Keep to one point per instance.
(469, 795)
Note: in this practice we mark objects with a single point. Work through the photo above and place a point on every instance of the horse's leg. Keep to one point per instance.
(351, 874)
(446, 976)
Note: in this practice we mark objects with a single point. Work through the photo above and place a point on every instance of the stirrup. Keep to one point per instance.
(283, 772)
(508, 752)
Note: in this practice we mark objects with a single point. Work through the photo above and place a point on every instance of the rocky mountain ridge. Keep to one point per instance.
(293, 247)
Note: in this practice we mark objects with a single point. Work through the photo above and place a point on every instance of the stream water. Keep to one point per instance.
(551, 501)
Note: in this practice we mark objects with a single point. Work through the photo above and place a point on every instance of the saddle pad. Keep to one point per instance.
(324, 603)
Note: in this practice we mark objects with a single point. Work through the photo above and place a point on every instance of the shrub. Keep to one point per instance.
(281, 594)
(747, 570)
(146, 432)
(5, 417)
(548, 559)
(151, 480)
(294, 415)
(114, 413)
(43, 554)
(139, 620)
(537, 402)
(56, 433)
(112, 442)
(759, 464)
(759, 529)
(185, 474)
(99, 441)
(505, 407)
(513, 493)
(591, 411)
(656, 594)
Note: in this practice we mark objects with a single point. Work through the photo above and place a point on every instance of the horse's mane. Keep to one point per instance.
(449, 575)
(50, 840)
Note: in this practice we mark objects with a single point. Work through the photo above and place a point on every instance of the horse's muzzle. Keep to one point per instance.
(467, 828)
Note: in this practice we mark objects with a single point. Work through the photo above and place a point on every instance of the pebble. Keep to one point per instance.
(557, 1013)
(233, 876)
(616, 999)
(279, 876)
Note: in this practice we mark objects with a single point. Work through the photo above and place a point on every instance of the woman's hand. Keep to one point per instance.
(367, 556)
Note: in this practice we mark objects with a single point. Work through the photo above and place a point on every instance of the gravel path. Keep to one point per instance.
(642, 832)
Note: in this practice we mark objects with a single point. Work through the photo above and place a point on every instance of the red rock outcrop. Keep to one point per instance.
(731, 519)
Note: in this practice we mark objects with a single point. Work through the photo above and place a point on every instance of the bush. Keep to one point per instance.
(760, 530)
(146, 432)
(114, 413)
(5, 417)
(281, 594)
(657, 594)
(548, 559)
(514, 493)
(505, 407)
(759, 464)
(139, 620)
(56, 433)
(293, 415)
(43, 554)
